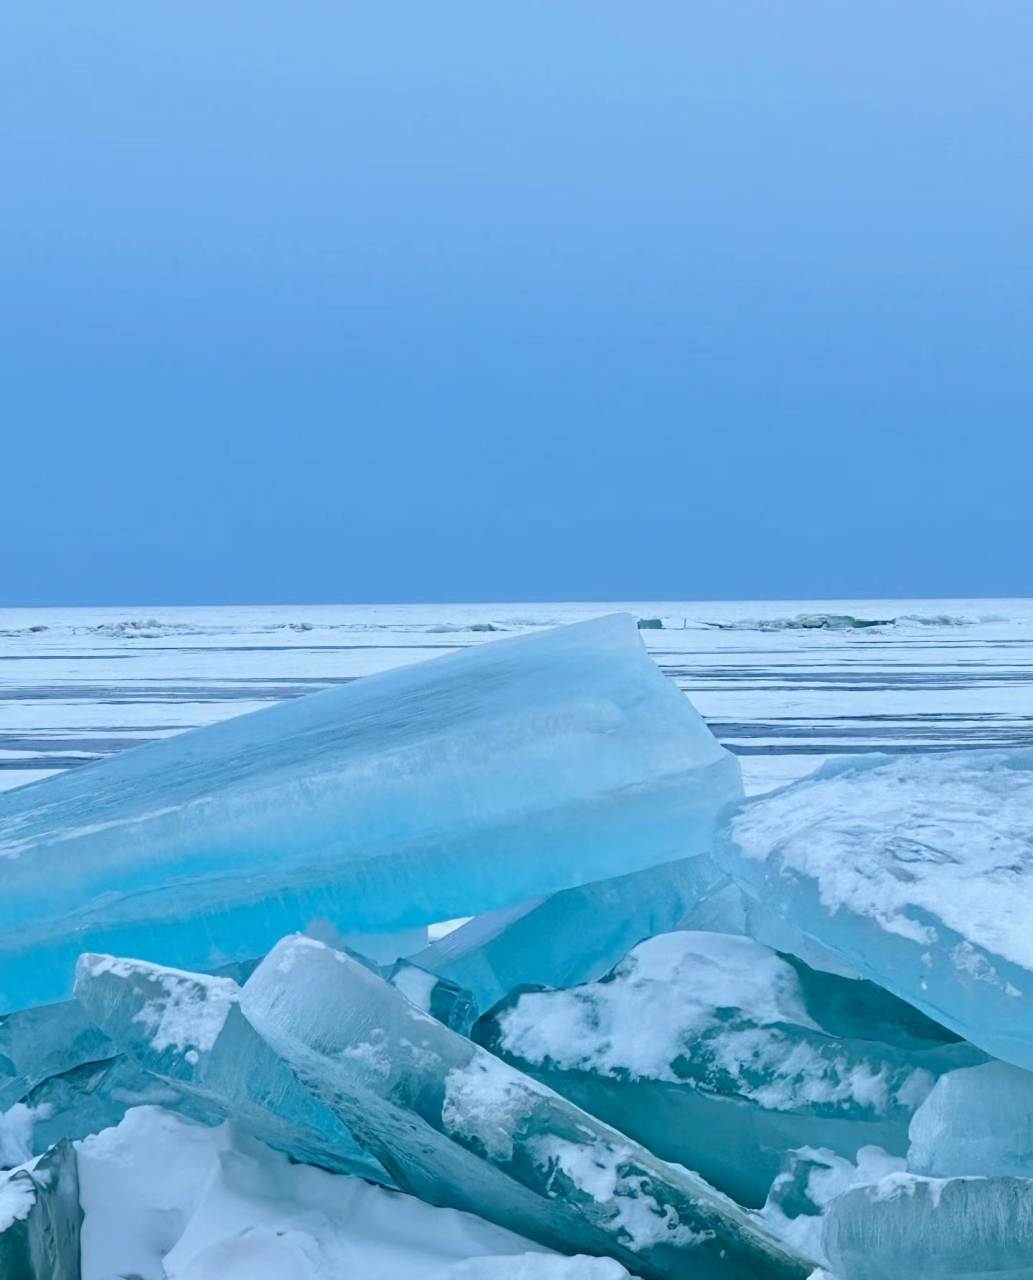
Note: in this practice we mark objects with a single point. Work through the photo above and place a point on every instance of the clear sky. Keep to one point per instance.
(374, 300)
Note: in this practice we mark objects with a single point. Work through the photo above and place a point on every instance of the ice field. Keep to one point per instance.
(740, 995)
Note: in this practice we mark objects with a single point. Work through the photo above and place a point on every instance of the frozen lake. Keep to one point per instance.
(783, 684)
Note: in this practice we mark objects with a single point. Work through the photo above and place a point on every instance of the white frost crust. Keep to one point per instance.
(670, 991)
(595, 1169)
(949, 836)
(485, 1100)
(17, 1197)
(190, 1013)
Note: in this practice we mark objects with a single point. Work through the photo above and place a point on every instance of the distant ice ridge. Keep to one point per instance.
(447, 788)
(915, 871)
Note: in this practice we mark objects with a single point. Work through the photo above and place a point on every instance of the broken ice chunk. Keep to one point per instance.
(38, 1043)
(702, 1046)
(567, 938)
(92, 1097)
(432, 791)
(40, 1218)
(932, 1229)
(917, 871)
(458, 1127)
(187, 1029)
(976, 1120)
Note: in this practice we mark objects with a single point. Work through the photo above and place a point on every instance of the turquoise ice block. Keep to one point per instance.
(503, 772)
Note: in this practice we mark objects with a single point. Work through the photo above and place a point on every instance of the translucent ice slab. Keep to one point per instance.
(458, 1127)
(187, 1029)
(916, 871)
(977, 1120)
(441, 789)
(567, 938)
(705, 1048)
(40, 1219)
(910, 1228)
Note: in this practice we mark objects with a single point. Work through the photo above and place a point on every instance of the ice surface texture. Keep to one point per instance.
(910, 1228)
(977, 1120)
(446, 788)
(567, 938)
(917, 871)
(40, 1219)
(703, 1047)
(188, 1030)
(458, 1127)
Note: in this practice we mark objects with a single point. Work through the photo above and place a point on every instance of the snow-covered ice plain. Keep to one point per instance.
(783, 684)
(785, 687)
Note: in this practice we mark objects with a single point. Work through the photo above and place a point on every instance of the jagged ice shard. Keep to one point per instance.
(40, 1218)
(566, 938)
(916, 871)
(708, 1049)
(446, 788)
(187, 1029)
(457, 1127)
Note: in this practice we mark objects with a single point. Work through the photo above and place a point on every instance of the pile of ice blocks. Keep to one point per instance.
(686, 1034)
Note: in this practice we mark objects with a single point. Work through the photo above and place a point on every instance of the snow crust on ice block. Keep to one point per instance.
(437, 790)
(906, 1227)
(978, 1120)
(917, 871)
(703, 1047)
(567, 938)
(457, 1127)
(187, 1029)
(40, 1218)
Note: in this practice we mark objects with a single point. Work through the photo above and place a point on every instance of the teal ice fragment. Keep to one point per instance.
(705, 1048)
(978, 1120)
(917, 872)
(36, 1044)
(187, 1030)
(40, 1218)
(457, 1127)
(906, 1227)
(564, 939)
(509, 770)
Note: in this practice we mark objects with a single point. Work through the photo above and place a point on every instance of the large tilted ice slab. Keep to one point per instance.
(187, 1029)
(916, 871)
(40, 1219)
(564, 939)
(483, 778)
(910, 1228)
(708, 1049)
(457, 1127)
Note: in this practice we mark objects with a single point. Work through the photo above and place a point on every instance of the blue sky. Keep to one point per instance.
(372, 301)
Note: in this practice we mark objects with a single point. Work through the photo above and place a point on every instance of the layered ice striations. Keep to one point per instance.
(456, 1126)
(708, 1049)
(186, 1029)
(40, 1218)
(564, 939)
(507, 771)
(916, 871)
(932, 1229)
